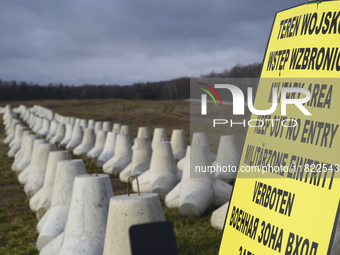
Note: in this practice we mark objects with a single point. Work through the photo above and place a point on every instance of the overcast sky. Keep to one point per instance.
(126, 41)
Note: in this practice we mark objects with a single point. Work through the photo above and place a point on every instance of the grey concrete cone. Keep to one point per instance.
(107, 126)
(125, 129)
(63, 120)
(45, 128)
(53, 130)
(126, 211)
(122, 156)
(77, 122)
(228, 157)
(159, 135)
(109, 148)
(143, 132)
(33, 121)
(83, 124)
(37, 176)
(218, 217)
(24, 175)
(20, 154)
(37, 125)
(194, 195)
(126, 173)
(11, 133)
(85, 229)
(46, 191)
(200, 138)
(91, 124)
(178, 143)
(72, 121)
(141, 157)
(161, 177)
(7, 120)
(98, 126)
(8, 114)
(87, 143)
(8, 124)
(53, 247)
(99, 145)
(197, 194)
(19, 130)
(60, 134)
(53, 222)
(68, 136)
(77, 137)
(116, 127)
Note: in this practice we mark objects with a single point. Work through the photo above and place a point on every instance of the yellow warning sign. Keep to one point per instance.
(286, 196)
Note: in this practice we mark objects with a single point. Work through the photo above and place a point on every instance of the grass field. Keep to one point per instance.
(194, 235)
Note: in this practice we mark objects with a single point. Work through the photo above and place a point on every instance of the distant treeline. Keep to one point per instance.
(163, 90)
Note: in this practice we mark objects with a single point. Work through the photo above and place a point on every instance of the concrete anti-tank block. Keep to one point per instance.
(218, 216)
(19, 129)
(68, 136)
(87, 143)
(98, 126)
(21, 153)
(141, 158)
(122, 156)
(125, 129)
(60, 134)
(11, 133)
(83, 123)
(126, 211)
(194, 195)
(116, 127)
(53, 222)
(178, 143)
(24, 175)
(228, 155)
(45, 128)
(53, 130)
(85, 229)
(159, 135)
(98, 146)
(37, 176)
(107, 126)
(161, 177)
(47, 190)
(53, 247)
(91, 124)
(77, 137)
(109, 148)
(143, 132)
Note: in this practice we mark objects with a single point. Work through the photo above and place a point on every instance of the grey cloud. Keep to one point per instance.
(121, 42)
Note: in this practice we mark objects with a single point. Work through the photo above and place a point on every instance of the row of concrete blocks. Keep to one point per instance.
(163, 174)
(80, 215)
(151, 179)
(96, 140)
